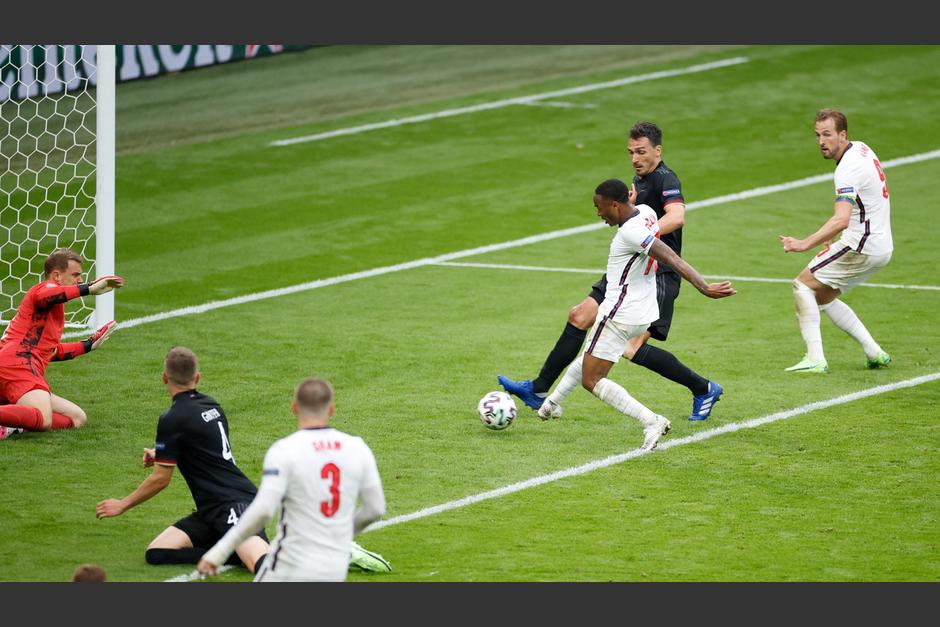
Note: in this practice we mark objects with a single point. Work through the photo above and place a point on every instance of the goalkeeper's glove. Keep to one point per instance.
(100, 336)
(104, 284)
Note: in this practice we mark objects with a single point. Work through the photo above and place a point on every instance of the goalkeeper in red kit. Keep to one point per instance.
(33, 339)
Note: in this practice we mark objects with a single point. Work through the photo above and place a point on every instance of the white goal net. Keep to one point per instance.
(56, 169)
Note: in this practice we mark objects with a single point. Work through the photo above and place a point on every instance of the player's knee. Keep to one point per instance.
(79, 419)
(798, 286)
(589, 382)
(582, 317)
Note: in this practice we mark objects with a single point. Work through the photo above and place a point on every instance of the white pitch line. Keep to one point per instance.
(561, 104)
(519, 100)
(595, 271)
(668, 444)
(532, 239)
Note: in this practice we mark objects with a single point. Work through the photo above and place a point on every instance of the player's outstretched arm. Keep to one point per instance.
(839, 221)
(662, 253)
(104, 284)
(150, 487)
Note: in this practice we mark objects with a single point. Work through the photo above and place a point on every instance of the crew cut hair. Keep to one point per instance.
(614, 189)
(313, 395)
(181, 365)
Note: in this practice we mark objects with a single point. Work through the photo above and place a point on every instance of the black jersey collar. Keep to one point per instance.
(316, 428)
(189, 391)
(847, 148)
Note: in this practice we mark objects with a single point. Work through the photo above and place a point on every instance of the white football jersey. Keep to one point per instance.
(631, 273)
(319, 474)
(860, 180)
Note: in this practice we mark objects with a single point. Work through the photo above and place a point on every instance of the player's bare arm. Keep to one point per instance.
(673, 219)
(842, 213)
(663, 254)
(151, 486)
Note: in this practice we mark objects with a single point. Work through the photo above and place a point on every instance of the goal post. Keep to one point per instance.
(57, 132)
(106, 64)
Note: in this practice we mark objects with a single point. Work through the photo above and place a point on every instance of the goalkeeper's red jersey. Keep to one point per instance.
(33, 337)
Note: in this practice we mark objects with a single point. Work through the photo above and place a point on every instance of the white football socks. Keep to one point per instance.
(845, 318)
(807, 313)
(569, 381)
(618, 398)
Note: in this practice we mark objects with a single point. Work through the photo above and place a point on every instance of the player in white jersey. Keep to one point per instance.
(863, 216)
(316, 476)
(628, 308)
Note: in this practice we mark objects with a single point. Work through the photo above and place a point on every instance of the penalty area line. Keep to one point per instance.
(663, 446)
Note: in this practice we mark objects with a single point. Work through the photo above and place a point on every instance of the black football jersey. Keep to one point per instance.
(193, 435)
(657, 189)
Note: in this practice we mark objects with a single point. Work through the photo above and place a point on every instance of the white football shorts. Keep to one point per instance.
(608, 339)
(842, 268)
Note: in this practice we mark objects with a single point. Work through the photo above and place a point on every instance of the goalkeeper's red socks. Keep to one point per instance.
(30, 418)
(61, 421)
(22, 416)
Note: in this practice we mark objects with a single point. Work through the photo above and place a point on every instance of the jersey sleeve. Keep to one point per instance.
(370, 475)
(637, 236)
(167, 445)
(672, 189)
(52, 294)
(846, 181)
(275, 471)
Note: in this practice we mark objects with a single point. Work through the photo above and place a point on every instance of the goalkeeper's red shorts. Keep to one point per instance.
(15, 381)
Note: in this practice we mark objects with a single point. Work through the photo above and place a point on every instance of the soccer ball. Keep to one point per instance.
(497, 410)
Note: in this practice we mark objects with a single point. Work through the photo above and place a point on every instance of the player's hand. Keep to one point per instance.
(104, 284)
(632, 195)
(149, 455)
(205, 567)
(109, 508)
(719, 290)
(792, 245)
(101, 335)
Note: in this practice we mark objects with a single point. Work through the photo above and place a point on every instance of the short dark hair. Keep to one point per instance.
(842, 124)
(313, 395)
(89, 573)
(648, 130)
(614, 189)
(181, 365)
(59, 260)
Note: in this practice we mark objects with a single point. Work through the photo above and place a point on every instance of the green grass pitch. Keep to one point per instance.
(208, 210)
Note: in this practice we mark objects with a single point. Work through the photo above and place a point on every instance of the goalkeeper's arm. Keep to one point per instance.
(71, 350)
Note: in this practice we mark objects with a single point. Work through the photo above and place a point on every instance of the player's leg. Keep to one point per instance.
(705, 393)
(808, 294)
(252, 552)
(66, 414)
(551, 407)
(175, 544)
(603, 352)
(26, 401)
(33, 401)
(855, 269)
(580, 318)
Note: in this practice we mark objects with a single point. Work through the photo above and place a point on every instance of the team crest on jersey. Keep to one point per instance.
(845, 190)
(649, 240)
(671, 192)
